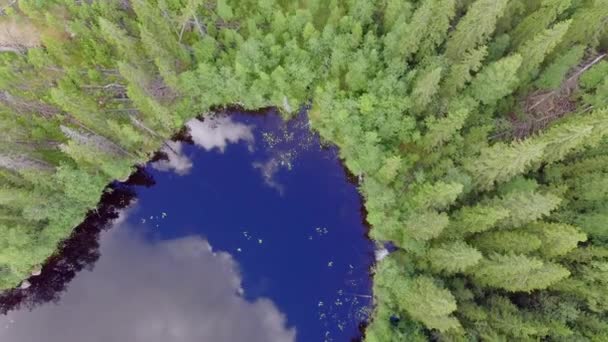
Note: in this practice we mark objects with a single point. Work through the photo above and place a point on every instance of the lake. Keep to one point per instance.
(248, 229)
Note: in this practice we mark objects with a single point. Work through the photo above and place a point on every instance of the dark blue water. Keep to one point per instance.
(252, 233)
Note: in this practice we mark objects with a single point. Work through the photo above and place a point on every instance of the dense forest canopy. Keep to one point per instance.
(476, 127)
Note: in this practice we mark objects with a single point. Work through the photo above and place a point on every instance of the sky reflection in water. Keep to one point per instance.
(289, 259)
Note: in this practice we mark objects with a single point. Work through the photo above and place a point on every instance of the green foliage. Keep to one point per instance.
(592, 78)
(553, 76)
(438, 196)
(426, 87)
(538, 20)
(557, 239)
(426, 101)
(476, 219)
(423, 33)
(460, 73)
(489, 167)
(525, 207)
(474, 28)
(514, 272)
(496, 80)
(424, 301)
(425, 225)
(443, 129)
(536, 49)
(516, 241)
(453, 257)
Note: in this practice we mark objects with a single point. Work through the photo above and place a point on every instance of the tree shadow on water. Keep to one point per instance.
(80, 251)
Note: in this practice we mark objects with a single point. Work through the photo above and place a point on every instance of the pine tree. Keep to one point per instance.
(425, 88)
(514, 272)
(468, 220)
(536, 49)
(443, 129)
(474, 28)
(460, 73)
(506, 321)
(599, 99)
(588, 22)
(555, 73)
(538, 20)
(574, 135)
(525, 207)
(453, 257)
(556, 239)
(127, 46)
(588, 285)
(423, 33)
(436, 196)
(424, 226)
(496, 80)
(489, 168)
(515, 241)
(424, 301)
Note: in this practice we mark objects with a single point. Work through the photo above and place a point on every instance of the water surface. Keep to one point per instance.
(251, 233)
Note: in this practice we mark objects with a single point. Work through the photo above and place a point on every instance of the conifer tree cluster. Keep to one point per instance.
(477, 128)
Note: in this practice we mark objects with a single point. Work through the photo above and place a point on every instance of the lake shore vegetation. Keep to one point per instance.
(477, 130)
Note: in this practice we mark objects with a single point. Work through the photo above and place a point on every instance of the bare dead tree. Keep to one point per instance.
(23, 106)
(3, 9)
(544, 107)
(150, 131)
(17, 35)
(568, 84)
(21, 162)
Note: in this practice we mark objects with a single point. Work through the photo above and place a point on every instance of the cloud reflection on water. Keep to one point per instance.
(152, 291)
(176, 160)
(212, 133)
(218, 132)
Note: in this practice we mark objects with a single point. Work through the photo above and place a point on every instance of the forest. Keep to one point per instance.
(477, 130)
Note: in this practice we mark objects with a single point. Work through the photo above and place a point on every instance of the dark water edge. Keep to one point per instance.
(81, 250)
(78, 252)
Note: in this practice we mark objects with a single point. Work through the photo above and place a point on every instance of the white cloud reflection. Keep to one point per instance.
(218, 132)
(143, 291)
(176, 160)
(268, 170)
(211, 133)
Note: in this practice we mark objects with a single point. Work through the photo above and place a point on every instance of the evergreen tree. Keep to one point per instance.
(460, 73)
(588, 23)
(555, 73)
(127, 46)
(536, 49)
(468, 220)
(453, 257)
(525, 207)
(415, 94)
(437, 196)
(516, 241)
(425, 88)
(574, 135)
(489, 168)
(514, 272)
(443, 129)
(496, 80)
(423, 33)
(424, 226)
(557, 239)
(474, 28)
(538, 20)
(424, 301)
